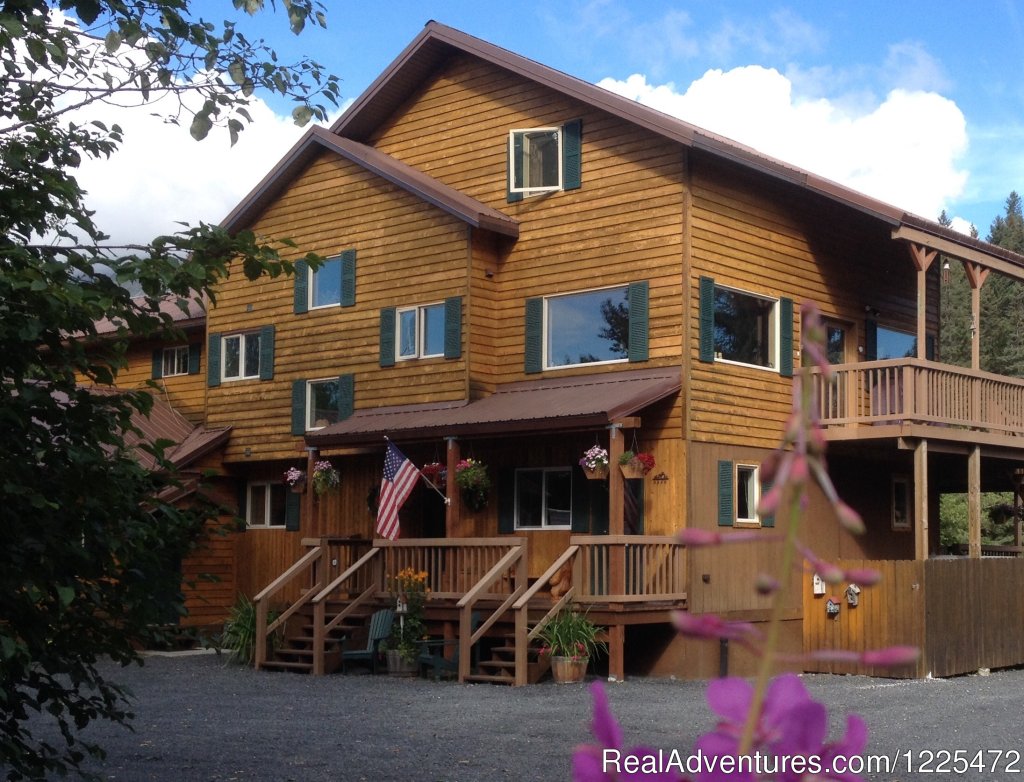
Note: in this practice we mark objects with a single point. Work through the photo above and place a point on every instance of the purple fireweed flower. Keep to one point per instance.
(711, 626)
(606, 761)
(791, 725)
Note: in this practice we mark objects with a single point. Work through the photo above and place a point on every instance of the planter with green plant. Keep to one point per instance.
(239, 635)
(570, 639)
(635, 464)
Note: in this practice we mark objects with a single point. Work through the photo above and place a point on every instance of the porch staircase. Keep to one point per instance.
(293, 651)
(501, 667)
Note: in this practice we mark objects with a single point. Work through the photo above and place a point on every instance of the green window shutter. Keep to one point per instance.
(453, 327)
(195, 354)
(346, 396)
(515, 161)
(580, 511)
(707, 319)
(348, 278)
(243, 501)
(299, 407)
(267, 353)
(301, 287)
(292, 511)
(213, 361)
(572, 154)
(158, 363)
(534, 349)
(637, 295)
(768, 520)
(870, 340)
(726, 514)
(387, 337)
(507, 501)
(786, 337)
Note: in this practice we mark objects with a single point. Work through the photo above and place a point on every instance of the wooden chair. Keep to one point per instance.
(432, 653)
(378, 630)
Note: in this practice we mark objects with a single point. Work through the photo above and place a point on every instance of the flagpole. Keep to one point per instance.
(430, 483)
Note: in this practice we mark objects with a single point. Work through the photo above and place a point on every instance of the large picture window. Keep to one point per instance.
(591, 327)
(543, 498)
(895, 344)
(241, 356)
(745, 328)
(265, 506)
(420, 331)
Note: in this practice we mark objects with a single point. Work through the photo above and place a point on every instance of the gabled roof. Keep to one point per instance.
(574, 403)
(317, 139)
(437, 42)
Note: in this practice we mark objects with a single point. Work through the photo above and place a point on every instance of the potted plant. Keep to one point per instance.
(471, 476)
(436, 473)
(402, 648)
(636, 464)
(295, 479)
(570, 639)
(325, 477)
(595, 463)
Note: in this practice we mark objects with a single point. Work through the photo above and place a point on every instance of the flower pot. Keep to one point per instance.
(398, 665)
(569, 670)
(299, 488)
(596, 473)
(632, 471)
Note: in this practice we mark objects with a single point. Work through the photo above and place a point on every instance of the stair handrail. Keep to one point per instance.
(523, 632)
(262, 601)
(515, 556)
(321, 627)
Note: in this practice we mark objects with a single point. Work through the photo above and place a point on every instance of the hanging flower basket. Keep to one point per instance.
(437, 474)
(595, 463)
(635, 464)
(295, 479)
(474, 483)
(325, 477)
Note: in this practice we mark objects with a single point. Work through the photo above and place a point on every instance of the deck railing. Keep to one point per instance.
(911, 390)
(630, 568)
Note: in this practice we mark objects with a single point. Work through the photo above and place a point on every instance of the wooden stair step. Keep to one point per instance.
(504, 665)
(484, 678)
(288, 666)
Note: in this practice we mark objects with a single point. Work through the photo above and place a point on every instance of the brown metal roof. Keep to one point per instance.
(317, 139)
(436, 42)
(529, 406)
(189, 314)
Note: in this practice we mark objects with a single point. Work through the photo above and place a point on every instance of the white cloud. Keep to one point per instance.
(903, 150)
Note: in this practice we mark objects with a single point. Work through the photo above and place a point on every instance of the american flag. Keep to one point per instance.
(399, 480)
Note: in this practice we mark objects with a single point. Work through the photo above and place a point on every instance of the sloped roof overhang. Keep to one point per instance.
(436, 42)
(551, 405)
(423, 186)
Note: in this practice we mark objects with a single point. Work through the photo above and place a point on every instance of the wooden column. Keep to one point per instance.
(617, 554)
(974, 503)
(308, 507)
(922, 258)
(921, 500)
(976, 275)
(453, 511)
(1018, 498)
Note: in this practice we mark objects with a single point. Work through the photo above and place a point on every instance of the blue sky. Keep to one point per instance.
(920, 104)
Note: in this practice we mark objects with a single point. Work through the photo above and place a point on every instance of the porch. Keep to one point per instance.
(479, 589)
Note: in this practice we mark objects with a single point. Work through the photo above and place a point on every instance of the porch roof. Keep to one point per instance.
(562, 404)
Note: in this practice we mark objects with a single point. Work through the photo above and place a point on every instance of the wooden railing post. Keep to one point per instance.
(260, 652)
(319, 641)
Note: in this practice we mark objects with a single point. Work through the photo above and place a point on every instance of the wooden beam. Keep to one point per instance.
(453, 511)
(921, 500)
(974, 503)
(955, 250)
(921, 256)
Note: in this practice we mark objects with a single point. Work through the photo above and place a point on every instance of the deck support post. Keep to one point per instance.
(922, 258)
(921, 500)
(1018, 498)
(312, 525)
(617, 652)
(453, 511)
(617, 553)
(974, 503)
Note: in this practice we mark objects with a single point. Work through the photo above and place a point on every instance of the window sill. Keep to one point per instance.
(746, 366)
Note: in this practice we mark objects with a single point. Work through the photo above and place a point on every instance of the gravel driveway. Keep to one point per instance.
(199, 719)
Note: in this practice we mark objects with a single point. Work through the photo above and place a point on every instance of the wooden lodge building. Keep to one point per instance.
(523, 265)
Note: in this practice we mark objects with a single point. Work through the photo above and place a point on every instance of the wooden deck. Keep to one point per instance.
(865, 398)
(477, 587)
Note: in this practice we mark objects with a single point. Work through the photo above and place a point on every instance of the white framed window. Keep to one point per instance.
(175, 361)
(589, 327)
(325, 284)
(419, 331)
(748, 493)
(240, 356)
(322, 403)
(746, 329)
(543, 498)
(536, 155)
(265, 504)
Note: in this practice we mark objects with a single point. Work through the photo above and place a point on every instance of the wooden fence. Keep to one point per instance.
(963, 614)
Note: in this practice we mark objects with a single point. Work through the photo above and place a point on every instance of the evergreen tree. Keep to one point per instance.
(1002, 300)
(955, 310)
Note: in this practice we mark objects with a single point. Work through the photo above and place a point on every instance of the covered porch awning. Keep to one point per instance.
(575, 403)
